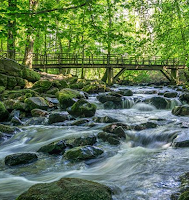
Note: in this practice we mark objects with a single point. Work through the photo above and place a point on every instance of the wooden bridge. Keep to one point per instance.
(169, 67)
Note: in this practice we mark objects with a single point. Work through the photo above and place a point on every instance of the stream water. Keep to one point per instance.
(143, 167)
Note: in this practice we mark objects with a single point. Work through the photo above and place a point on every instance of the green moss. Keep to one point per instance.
(42, 85)
(184, 196)
(3, 80)
(53, 91)
(3, 112)
(11, 82)
(21, 82)
(63, 84)
(68, 189)
(30, 75)
(67, 97)
(2, 89)
(36, 102)
(6, 129)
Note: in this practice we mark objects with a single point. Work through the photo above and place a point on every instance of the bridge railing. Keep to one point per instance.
(112, 59)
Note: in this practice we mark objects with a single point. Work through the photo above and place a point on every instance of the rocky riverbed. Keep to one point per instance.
(78, 139)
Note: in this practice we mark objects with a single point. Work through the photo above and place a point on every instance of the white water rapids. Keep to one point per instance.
(143, 167)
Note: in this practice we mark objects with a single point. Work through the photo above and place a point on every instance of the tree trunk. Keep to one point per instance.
(11, 32)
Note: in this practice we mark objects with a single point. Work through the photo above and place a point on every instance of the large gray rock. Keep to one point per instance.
(20, 158)
(158, 102)
(57, 117)
(181, 140)
(68, 189)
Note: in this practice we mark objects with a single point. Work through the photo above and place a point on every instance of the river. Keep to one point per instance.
(143, 167)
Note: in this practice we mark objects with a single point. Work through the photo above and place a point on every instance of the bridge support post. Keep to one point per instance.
(110, 75)
(174, 76)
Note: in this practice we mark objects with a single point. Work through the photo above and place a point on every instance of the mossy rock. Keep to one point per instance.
(72, 80)
(2, 89)
(109, 137)
(7, 129)
(3, 80)
(57, 147)
(67, 97)
(82, 108)
(42, 86)
(181, 110)
(52, 91)
(68, 189)
(39, 113)
(4, 114)
(21, 82)
(83, 153)
(95, 88)
(11, 82)
(30, 75)
(57, 117)
(12, 104)
(20, 158)
(36, 102)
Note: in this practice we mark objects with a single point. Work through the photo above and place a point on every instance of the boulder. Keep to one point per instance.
(144, 126)
(30, 75)
(2, 89)
(82, 108)
(170, 94)
(181, 110)
(115, 129)
(107, 97)
(67, 97)
(52, 91)
(105, 119)
(93, 88)
(184, 97)
(57, 147)
(36, 102)
(158, 102)
(7, 129)
(181, 140)
(20, 158)
(39, 113)
(57, 117)
(36, 121)
(83, 141)
(68, 189)
(42, 86)
(126, 92)
(109, 137)
(4, 114)
(82, 153)
(12, 104)
(79, 122)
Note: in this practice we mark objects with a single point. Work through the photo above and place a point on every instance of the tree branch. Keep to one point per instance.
(47, 11)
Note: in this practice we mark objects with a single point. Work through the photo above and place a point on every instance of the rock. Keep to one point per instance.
(57, 117)
(184, 97)
(83, 141)
(68, 189)
(82, 108)
(79, 122)
(107, 97)
(109, 137)
(36, 121)
(143, 126)
(112, 105)
(36, 102)
(39, 113)
(53, 91)
(93, 88)
(158, 102)
(170, 94)
(20, 158)
(16, 121)
(12, 104)
(181, 140)
(126, 92)
(105, 119)
(181, 110)
(2, 89)
(67, 97)
(42, 86)
(82, 153)
(7, 129)
(52, 100)
(4, 114)
(30, 75)
(57, 147)
(115, 129)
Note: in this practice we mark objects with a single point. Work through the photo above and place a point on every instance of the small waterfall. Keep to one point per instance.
(127, 102)
(144, 107)
(172, 103)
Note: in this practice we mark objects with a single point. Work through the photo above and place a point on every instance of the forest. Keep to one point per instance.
(137, 28)
(94, 100)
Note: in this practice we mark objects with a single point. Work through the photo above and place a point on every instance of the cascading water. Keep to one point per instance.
(143, 167)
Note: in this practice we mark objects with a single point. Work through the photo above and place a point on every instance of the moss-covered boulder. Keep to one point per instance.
(12, 104)
(158, 102)
(42, 86)
(126, 92)
(52, 91)
(57, 117)
(7, 129)
(57, 147)
(36, 102)
(3, 80)
(4, 114)
(20, 158)
(170, 94)
(30, 75)
(39, 113)
(83, 153)
(184, 97)
(115, 129)
(111, 138)
(105, 119)
(95, 87)
(82, 108)
(67, 97)
(181, 110)
(2, 89)
(83, 141)
(68, 189)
